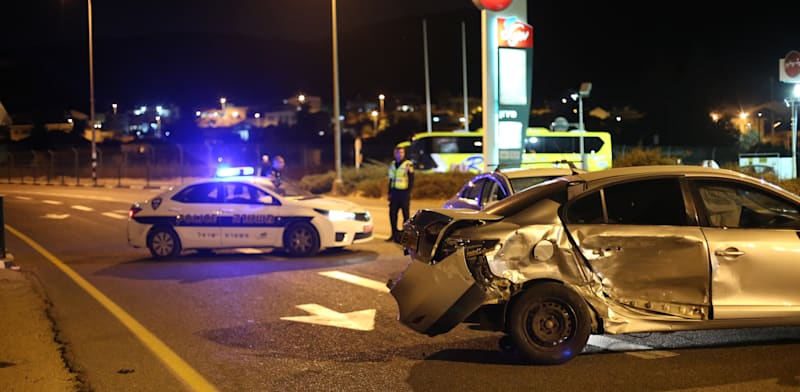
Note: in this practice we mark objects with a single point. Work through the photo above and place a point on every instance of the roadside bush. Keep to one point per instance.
(351, 178)
(438, 185)
(640, 156)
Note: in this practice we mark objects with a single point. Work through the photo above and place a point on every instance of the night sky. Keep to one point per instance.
(666, 62)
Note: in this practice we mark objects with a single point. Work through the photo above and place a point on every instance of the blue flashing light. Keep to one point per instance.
(227, 171)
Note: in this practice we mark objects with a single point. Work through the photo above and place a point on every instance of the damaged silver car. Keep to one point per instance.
(652, 248)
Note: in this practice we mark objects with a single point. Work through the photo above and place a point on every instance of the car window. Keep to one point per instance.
(737, 205)
(207, 192)
(238, 193)
(518, 184)
(473, 189)
(587, 209)
(554, 189)
(647, 202)
(492, 191)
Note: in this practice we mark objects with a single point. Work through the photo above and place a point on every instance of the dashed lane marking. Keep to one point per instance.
(115, 215)
(83, 208)
(23, 198)
(53, 202)
(356, 280)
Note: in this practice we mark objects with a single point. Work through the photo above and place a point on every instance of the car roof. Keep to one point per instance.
(639, 171)
(605, 176)
(536, 172)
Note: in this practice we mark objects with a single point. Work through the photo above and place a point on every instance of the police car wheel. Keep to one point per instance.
(163, 243)
(301, 239)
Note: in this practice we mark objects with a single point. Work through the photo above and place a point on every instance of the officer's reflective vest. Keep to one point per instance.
(398, 175)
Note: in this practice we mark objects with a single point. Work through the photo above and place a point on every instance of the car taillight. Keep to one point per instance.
(133, 211)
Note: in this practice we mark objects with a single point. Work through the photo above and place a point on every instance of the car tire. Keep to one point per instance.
(163, 243)
(301, 240)
(549, 324)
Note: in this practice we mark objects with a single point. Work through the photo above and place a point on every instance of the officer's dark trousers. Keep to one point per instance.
(398, 200)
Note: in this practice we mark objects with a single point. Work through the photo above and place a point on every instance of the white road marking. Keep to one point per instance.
(632, 349)
(56, 216)
(362, 320)
(54, 202)
(23, 198)
(115, 215)
(83, 208)
(356, 280)
(250, 251)
(655, 354)
(614, 344)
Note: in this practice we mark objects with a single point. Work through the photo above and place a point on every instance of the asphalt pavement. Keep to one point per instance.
(30, 353)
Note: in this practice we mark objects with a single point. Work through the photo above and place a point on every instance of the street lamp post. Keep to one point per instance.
(381, 98)
(91, 97)
(795, 98)
(337, 126)
(584, 91)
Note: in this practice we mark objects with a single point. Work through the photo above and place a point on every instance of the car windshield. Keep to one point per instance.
(522, 183)
(554, 189)
(289, 189)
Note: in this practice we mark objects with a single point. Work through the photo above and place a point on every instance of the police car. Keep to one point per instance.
(245, 211)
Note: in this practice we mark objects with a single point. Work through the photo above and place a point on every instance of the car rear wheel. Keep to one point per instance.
(163, 243)
(301, 239)
(549, 324)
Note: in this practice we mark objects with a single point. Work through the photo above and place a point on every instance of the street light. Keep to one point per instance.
(381, 98)
(584, 91)
(374, 120)
(795, 98)
(337, 127)
(91, 97)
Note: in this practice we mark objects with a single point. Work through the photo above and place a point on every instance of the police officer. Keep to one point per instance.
(401, 180)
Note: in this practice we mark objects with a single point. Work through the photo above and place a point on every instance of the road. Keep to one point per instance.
(241, 320)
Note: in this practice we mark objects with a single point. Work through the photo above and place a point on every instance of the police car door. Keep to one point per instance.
(248, 217)
(196, 213)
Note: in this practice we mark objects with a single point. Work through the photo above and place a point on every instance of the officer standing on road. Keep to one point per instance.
(276, 171)
(401, 180)
(265, 166)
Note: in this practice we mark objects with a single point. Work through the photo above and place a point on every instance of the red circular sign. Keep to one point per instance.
(791, 64)
(492, 5)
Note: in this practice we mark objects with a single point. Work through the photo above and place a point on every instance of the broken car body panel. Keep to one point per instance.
(662, 255)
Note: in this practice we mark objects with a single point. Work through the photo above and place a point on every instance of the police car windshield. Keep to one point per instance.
(289, 189)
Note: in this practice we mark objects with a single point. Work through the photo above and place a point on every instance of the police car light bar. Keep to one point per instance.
(226, 171)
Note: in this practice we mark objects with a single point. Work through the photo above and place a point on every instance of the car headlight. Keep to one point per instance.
(335, 215)
(472, 247)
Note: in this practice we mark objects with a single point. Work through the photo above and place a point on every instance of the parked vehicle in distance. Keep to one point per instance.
(486, 188)
(245, 211)
(624, 250)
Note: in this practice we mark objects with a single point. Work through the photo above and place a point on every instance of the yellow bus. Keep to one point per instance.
(463, 151)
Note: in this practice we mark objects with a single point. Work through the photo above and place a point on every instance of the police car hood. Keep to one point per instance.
(328, 203)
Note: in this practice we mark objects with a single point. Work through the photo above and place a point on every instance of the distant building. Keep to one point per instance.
(259, 116)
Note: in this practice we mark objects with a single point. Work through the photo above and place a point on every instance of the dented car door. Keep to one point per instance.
(646, 249)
